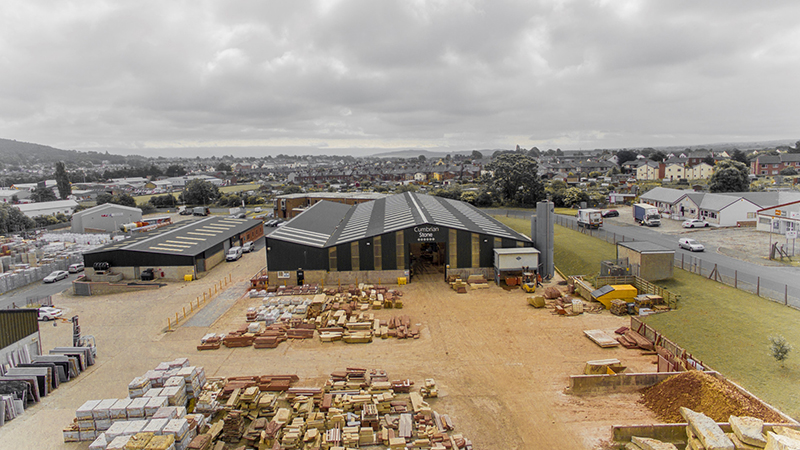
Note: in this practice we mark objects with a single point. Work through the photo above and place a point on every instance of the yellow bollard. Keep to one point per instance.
(231, 277)
(184, 312)
(204, 296)
(198, 302)
(169, 324)
(176, 318)
(215, 288)
(191, 307)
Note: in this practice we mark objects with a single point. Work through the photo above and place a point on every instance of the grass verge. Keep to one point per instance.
(726, 328)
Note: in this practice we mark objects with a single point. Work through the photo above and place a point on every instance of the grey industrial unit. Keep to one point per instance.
(104, 218)
(396, 236)
(185, 248)
(647, 260)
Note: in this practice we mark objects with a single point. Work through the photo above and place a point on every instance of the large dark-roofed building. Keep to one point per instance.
(396, 236)
(185, 248)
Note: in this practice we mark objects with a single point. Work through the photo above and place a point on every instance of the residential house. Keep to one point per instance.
(700, 171)
(770, 165)
(674, 171)
(650, 170)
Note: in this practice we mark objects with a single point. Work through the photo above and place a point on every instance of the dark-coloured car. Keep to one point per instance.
(610, 213)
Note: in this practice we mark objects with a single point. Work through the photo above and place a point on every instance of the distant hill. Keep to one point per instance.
(16, 152)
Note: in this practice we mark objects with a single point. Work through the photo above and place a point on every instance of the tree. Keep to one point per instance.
(222, 166)
(624, 156)
(293, 189)
(657, 156)
(739, 155)
(476, 155)
(124, 200)
(779, 348)
(709, 160)
(62, 181)
(421, 158)
(200, 192)
(789, 171)
(43, 194)
(574, 196)
(103, 197)
(12, 220)
(175, 170)
(515, 179)
(729, 176)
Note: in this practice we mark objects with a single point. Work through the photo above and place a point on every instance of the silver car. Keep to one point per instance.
(55, 276)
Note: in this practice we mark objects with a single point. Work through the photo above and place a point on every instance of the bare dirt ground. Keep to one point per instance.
(502, 367)
(744, 243)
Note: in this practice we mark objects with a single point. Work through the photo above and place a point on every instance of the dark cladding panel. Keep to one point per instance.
(366, 255)
(343, 258)
(389, 251)
(487, 251)
(288, 256)
(464, 249)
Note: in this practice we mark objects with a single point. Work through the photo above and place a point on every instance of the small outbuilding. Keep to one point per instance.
(647, 260)
(512, 261)
(104, 218)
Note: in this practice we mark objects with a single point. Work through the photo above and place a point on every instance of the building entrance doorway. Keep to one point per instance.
(427, 261)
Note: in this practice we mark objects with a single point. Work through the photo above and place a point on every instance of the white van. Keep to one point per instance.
(248, 247)
(234, 253)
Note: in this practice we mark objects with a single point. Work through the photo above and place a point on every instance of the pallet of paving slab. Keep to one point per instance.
(601, 338)
(209, 346)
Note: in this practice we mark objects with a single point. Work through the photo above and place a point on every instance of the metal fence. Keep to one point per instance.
(767, 288)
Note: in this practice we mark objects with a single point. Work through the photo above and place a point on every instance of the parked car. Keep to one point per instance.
(691, 245)
(185, 212)
(695, 223)
(258, 209)
(248, 247)
(49, 313)
(75, 268)
(234, 253)
(610, 213)
(55, 276)
(238, 216)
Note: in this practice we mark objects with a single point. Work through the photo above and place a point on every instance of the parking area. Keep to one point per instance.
(501, 366)
(743, 243)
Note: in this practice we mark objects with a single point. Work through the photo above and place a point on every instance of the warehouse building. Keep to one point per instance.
(173, 252)
(289, 206)
(381, 240)
(105, 218)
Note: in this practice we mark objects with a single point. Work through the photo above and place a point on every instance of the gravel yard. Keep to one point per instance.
(501, 366)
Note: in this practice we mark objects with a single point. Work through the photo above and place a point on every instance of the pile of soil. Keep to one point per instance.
(703, 393)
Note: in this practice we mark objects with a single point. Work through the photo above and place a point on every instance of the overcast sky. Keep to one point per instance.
(354, 76)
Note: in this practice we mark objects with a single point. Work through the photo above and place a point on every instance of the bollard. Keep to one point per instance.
(204, 296)
(191, 307)
(176, 318)
(198, 302)
(169, 324)
(184, 312)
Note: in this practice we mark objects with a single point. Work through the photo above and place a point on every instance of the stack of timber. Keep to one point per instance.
(477, 282)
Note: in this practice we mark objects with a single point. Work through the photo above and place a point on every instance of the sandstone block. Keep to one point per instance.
(707, 431)
(749, 430)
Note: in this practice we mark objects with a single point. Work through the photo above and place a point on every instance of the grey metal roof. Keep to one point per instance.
(661, 194)
(327, 226)
(717, 202)
(313, 226)
(184, 238)
(645, 247)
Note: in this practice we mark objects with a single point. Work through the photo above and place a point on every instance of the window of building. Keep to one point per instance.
(764, 220)
(751, 215)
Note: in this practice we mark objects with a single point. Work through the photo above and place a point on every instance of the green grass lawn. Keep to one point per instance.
(726, 328)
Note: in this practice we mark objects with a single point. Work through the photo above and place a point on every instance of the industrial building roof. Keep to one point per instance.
(325, 225)
(184, 238)
(645, 247)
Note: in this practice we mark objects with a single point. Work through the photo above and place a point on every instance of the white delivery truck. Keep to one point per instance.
(646, 214)
(590, 218)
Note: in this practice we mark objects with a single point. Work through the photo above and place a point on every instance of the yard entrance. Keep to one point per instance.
(427, 261)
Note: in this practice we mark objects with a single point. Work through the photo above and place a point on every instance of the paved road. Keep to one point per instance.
(780, 280)
(37, 289)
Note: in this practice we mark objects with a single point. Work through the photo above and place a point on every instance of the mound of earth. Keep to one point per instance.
(703, 393)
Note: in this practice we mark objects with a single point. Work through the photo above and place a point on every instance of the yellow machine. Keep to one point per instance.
(529, 282)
